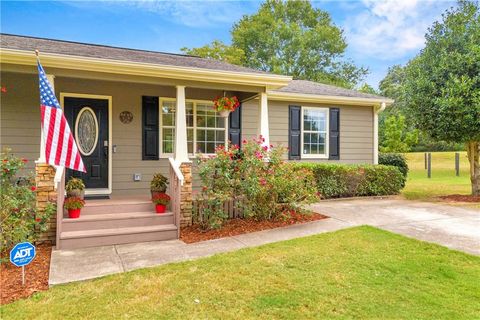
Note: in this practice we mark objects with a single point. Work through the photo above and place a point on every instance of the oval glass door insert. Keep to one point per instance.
(86, 131)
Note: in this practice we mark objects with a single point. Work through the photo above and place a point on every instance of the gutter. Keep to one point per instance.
(380, 103)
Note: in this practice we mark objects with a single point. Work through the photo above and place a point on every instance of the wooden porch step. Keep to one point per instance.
(116, 220)
(98, 207)
(102, 237)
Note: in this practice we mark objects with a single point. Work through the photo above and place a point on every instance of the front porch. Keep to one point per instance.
(127, 215)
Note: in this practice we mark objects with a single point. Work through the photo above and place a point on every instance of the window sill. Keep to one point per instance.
(313, 157)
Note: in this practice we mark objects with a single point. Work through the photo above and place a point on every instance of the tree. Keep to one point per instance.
(392, 86)
(443, 83)
(219, 51)
(291, 38)
(366, 88)
(396, 137)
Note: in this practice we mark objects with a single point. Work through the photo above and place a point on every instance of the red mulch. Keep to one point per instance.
(461, 198)
(235, 227)
(36, 277)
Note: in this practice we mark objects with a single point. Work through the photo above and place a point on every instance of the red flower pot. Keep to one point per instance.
(160, 208)
(74, 213)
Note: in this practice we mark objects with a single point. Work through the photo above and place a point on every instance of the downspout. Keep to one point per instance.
(376, 111)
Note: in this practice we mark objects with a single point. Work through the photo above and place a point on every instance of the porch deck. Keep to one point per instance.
(118, 220)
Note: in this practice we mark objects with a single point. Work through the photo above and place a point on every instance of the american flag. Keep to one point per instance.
(60, 146)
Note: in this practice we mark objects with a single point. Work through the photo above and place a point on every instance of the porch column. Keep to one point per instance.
(45, 184)
(181, 158)
(181, 150)
(41, 158)
(263, 118)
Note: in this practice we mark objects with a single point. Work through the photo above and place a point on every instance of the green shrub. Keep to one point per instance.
(340, 180)
(394, 159)
(19, 220)
(159, 183)
(74, 184)
(266, 184)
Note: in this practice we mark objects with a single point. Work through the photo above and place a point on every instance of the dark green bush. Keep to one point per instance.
(394, 159)
(340, 180)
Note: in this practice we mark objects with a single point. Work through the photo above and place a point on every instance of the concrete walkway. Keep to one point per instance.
(453, 227)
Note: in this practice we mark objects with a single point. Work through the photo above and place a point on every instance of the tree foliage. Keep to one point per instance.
(396, 136)
(393, 86)
(366, 88)
(442, 84)
(291, 38)
(219, 51)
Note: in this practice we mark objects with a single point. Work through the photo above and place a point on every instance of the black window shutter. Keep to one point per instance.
(294, 132)
(150, 128)
(235, 127)
(334, 134)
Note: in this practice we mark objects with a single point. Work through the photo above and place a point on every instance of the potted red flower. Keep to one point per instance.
(161, 201)
(74, 205)
(225, 105)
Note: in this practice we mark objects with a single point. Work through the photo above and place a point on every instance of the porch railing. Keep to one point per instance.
(175, 188)
(60, 187)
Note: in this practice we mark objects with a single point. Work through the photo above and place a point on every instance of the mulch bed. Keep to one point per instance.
(235, 227)
(460, 198)
(36, 277)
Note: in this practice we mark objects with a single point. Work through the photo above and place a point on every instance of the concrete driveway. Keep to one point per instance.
(454, 227)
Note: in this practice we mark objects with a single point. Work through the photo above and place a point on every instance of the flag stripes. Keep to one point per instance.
(60, 146)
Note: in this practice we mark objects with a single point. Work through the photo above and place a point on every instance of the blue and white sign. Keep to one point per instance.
(22, 254)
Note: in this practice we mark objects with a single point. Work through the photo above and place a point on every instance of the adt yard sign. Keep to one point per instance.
(22, 254)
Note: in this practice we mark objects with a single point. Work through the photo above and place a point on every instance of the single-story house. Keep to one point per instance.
(136, 112)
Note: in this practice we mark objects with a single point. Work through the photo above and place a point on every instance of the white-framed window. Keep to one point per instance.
(314, 132)
(206, 129)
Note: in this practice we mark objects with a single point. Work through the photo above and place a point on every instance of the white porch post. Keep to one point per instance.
(41, 158)
(375, 131)
(263, 129)
(181, 150)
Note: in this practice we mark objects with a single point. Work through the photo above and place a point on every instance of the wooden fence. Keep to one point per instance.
(232, 208)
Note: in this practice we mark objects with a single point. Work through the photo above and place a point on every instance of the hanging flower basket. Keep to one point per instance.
(225, 105)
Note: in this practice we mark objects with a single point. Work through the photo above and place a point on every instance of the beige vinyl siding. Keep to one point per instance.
(20, 116)
(356, 128)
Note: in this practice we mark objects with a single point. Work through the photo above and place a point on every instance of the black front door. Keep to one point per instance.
(88, 120)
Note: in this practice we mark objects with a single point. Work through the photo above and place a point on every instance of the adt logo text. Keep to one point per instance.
(22, 254)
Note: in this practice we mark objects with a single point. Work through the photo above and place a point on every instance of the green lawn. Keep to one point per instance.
(443, 181)
(361, 272)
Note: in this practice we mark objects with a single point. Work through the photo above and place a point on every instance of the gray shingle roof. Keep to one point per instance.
(27, 43)
(310, 87)
(115, 53)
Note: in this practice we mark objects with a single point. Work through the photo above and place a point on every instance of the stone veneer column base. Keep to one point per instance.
(45, 193)
(186, 204)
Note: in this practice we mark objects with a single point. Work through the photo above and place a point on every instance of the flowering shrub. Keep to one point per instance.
(19, 220)
(226, 104)
(161, 198)
(72, 203)
(259, 177)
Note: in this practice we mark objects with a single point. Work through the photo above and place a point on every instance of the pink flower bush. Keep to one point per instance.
(259, 176)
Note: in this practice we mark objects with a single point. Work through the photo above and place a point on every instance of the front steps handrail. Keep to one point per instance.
(175, 186)
(60, 187)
